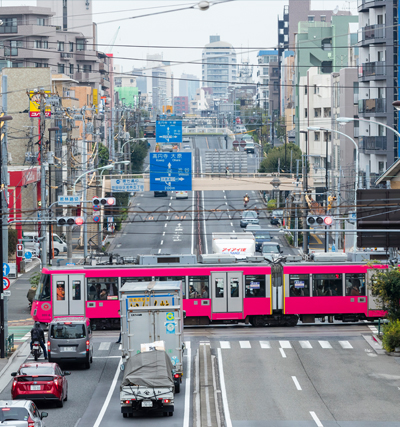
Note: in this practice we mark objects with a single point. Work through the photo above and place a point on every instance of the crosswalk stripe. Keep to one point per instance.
(244, 344)
(265, 344)
(104, 345)
(285, 344)
(325, 344)
(345, 344)
(224, 344)
(305, 344)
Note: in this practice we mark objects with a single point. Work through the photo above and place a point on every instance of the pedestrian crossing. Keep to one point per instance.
(283, 344)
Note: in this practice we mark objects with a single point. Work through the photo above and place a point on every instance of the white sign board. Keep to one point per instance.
(69, 200)
(7, 293)
(127, 185)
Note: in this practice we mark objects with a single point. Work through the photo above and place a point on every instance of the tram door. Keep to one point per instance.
(227, 292)
(68, 295)
(277, 288)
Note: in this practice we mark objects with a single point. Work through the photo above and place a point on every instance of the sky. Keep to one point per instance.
(249, 25)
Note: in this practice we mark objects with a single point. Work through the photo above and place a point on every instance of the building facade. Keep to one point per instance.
(268, 81)
(181, 105)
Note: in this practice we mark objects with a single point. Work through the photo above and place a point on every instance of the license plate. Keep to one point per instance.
(67, 348)
(147, 404)
(35, 387)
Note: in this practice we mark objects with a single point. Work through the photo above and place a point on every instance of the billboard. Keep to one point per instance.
(34, 104)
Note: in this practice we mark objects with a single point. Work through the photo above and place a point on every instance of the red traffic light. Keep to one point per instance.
(328, 220)
(78, 220)
(110, 201)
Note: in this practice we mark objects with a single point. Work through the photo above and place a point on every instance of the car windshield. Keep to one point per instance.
(249, 214)
(14, 414)
(63, 331)
(38, 369)
(278, 213)
(270, 249)
(262, 236)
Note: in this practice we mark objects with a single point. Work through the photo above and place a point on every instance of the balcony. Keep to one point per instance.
(105, 84)
(372, 106)
(82, 77)
(85, 55)
(373, 71)
(372, 143)
(65, 56)
(103, 68)
(371, 34)
(8, 29)
(364, 5)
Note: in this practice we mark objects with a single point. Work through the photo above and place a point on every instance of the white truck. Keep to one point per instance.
(152, 311)
(147, 384)
(31, 243)
(241, 245)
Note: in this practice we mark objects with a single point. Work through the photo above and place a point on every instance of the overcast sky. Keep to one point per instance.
(247, 24)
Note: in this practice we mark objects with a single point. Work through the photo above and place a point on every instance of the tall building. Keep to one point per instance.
(378, 84)
(268, 81)
(181, 105)
(188, 85)
(219, 67)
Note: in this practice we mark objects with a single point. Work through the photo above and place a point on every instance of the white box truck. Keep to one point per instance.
(241, 245)
(152, 311)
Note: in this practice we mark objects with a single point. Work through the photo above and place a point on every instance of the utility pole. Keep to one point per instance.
(326, 192)
(69, 185)
(84, 162)
(43, 211)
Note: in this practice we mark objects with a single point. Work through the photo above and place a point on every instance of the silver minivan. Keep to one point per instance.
(70, 340)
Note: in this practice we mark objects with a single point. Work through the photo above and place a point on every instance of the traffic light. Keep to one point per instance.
(20, 250)
(319, 220)
(103, 201)
(70, 220)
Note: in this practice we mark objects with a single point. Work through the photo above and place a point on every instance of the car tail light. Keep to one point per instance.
(176, 376)
(15, 382)
(87, 345)
(127, 402)
(166, 400)
(48, 346)
(56, 381)
(31, 423)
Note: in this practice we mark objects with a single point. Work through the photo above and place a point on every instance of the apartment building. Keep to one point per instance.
(268, 81)
(181, 105)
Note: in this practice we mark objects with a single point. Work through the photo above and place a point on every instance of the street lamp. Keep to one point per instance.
(356, 183)
(2, 334)
(91, 170)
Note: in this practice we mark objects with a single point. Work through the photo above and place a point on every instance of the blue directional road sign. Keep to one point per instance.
(170, 171)
(28, 255)
(169, 131)
(6, 269)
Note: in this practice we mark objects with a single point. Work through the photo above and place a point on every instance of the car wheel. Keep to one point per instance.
(170, 414)
(56, 252)
(87, 363)
(177, 387)
(66, 397)
(125, 415)
(60, 403)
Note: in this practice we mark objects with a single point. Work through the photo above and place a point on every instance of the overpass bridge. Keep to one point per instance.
(219, 181)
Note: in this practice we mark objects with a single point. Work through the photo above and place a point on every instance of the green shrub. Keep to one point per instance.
(391, 335)
(271, 205)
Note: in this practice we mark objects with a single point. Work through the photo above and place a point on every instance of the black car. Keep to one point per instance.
(161, 194)
(277, 217)
(261, 237)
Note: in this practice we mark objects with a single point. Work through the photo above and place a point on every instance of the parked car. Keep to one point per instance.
(249, 217)
(277, 217)
(20, 413)
(160, 194)
(40, 381)
(181, 195)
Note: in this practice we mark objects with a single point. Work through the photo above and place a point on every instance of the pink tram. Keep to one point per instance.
(256, 293)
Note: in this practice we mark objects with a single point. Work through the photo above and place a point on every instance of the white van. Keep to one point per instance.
(31, 243)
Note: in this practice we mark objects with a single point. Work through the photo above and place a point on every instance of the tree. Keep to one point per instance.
(12, 241)
(270, 163)
(103, 155)
(139, 150)
(386, 288)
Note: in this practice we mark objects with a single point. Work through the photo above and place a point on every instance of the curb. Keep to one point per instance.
(13, 356)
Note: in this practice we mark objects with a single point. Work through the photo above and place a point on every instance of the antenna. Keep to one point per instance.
(336, 10)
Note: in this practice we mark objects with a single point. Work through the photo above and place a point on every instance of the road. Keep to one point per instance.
(304, 376)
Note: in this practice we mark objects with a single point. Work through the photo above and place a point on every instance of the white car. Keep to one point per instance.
(181, 195)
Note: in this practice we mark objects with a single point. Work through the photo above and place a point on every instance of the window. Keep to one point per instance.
(63, 331)
(10, 25)
(265, 82)
(327, 112)
(135, 279)
(381, 166)
(254, 286)
(38, 64)
(266, 59)
(76, 290)
(37, 44)
(327, 285)
(315, 89)
(41, 21)
(323, 18)
(305, 90)
(199, 287)
(102, 289)
(60, 68)
(305, 112)
(12, 49)
(265, 71)
(316, 136)
(78, 68)
(60, 290)
(131, 80)
(60, 46)
(80, 44)
(355, 284)
(87, 68)
(17, 64)
(219, 287)
(71, 68)
(45, 44)
(43, 290)
(317, 112)
(45, 65)
(311, 18)
(299, 285)
(71, 46)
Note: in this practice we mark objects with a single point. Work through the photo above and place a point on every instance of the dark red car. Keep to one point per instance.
(40, 381)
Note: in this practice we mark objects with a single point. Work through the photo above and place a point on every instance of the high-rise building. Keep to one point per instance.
(268, 81)
(219, 67)
(188, 85)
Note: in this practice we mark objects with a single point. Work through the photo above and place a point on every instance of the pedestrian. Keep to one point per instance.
(227, 172)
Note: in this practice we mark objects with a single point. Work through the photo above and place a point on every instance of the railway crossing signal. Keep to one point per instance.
(70, 220)
(319, 220)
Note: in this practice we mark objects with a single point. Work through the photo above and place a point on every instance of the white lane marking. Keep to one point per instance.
(230, 217)
(324, 344)
(296, 383)
(345, 344)
(226, 203)
(244, 344)
(223, 390)
(305, 344)
(316, 419)
(163, 233)
(231, 224)
(106, 357)
(285, 344)
(165, 225)
(137, 204)
(225, 344)
(167, 216)
(206, 386)
(224, 197)
(159, 251)
(282, 352)
(104, 346)
(171, 197)
(162, 241)
(169, 204)
(223, 191)
(265, 344)
(186, 413)
(109, 395)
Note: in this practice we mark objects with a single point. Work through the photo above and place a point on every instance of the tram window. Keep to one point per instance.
(135, 279)
(327, 285)
(43, 290)
(76, 290)
(355, 284)
(254, 286)
(299, 285)
(219, 288)
(234, 283)
(60, 290)
(199, 287)
(102, 289)
(174, 279)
